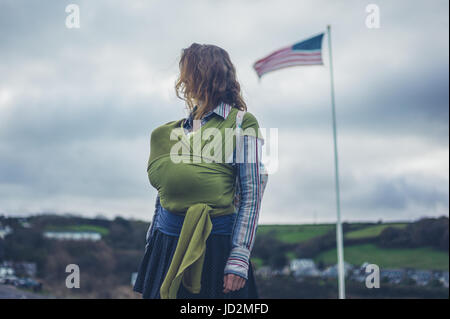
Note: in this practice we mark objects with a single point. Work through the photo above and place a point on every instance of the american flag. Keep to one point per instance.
(308, 52)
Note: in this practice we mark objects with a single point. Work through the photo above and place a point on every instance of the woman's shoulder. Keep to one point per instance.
(165, 127)
(250, 125)
(249, 120)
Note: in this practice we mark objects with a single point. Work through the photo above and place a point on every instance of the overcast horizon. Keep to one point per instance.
(77, 106)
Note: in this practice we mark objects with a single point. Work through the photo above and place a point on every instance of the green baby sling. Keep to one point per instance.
(192, 182)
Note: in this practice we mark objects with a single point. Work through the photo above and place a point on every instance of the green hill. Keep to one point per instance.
(294, 233)
(372, 231)
(81, 228)
(418, 258)
(420, 245)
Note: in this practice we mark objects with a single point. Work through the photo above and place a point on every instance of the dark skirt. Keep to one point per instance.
(156, 262)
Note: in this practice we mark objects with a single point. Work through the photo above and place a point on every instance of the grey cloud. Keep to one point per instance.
(398, 194)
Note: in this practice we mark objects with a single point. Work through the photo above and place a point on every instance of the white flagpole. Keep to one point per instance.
(339, 239)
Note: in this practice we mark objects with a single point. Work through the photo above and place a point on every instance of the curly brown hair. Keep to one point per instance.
(207, 77)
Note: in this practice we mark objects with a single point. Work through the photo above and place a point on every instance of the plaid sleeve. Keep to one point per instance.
(251, 189)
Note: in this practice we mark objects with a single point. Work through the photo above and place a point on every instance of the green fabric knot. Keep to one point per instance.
(187, 261)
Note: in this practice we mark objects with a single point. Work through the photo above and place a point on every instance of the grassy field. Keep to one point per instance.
(82, 228)
(294, 233)
(418, 258)
(372, 231)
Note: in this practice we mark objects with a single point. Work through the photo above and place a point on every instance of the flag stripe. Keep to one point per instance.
(287, 54)
(281, 66)
(289, 50)
(285, 63)
(288, 59)
(284, 66)
(308, 52)
(276, 52)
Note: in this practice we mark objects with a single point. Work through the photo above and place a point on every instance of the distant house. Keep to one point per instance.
(332, 271)
(394, 276)
(6, 270)
(264, 272)
(421, 277)
(444, 279)
(304, 268)
(24, 223)
(73, 235)
(297, 264)
(27, 269)
(4, 231)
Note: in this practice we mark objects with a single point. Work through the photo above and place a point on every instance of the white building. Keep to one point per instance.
(332, 271)
(6, 271)
(72, 235)
(304, 267)
(297, 264)
(444, 279)
(264, 271)
(4, 231)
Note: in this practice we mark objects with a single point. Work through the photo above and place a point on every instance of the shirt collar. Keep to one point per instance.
(223, 110)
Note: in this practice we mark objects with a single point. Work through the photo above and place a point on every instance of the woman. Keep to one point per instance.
(207, 208)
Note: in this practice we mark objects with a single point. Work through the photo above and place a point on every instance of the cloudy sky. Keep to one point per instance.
(77, 105)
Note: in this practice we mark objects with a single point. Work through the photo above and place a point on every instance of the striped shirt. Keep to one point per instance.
(250, 184)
